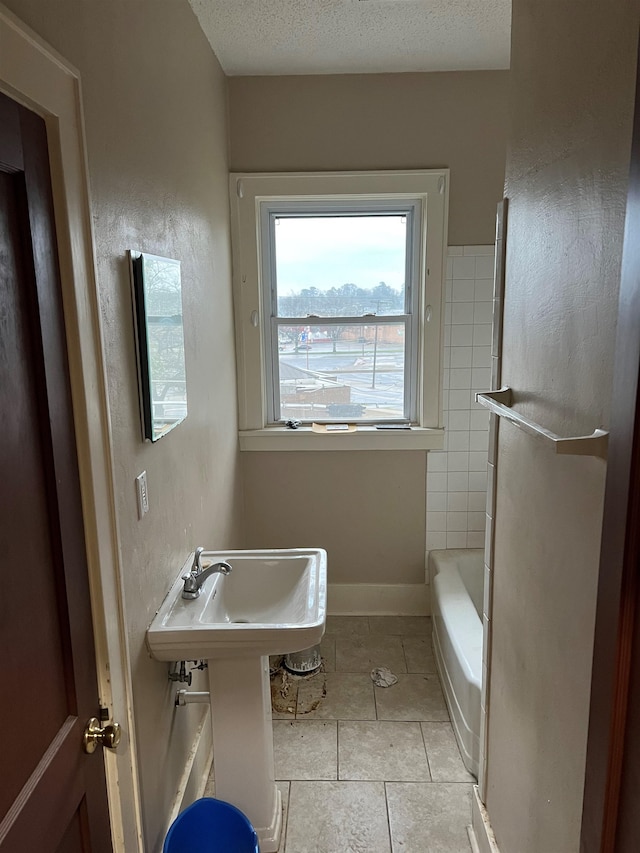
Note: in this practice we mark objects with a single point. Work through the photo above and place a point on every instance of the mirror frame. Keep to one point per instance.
(152, 429)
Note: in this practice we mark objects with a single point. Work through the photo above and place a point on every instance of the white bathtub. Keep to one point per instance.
(457, 578)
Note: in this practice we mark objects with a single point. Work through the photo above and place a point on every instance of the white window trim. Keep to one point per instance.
(247, 191)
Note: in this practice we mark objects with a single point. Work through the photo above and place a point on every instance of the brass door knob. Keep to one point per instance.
(95, 734)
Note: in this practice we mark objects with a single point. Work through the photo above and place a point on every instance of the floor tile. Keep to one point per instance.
(346, 626)
(342, 760)
(312, 691)
(429, 818)
(418, 653)
(349, 696)
(381, 751)
(337, 817)
(445, 761)
(362, 654)
(414, 697)
(305, 749)
(328, 653)
(407, 626)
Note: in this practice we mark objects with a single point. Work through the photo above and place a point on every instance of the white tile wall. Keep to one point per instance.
(457, 475)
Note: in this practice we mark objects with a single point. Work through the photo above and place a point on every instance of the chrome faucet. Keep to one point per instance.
(194, 580)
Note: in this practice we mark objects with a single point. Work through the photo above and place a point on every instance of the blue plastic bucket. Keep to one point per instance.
(211, 826)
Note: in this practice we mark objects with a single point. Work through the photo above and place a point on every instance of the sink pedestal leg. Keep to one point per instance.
(243, 765)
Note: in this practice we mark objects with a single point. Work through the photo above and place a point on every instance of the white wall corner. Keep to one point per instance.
(370, 599)
(481, 826)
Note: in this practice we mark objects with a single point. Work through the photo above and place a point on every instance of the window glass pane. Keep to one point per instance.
(340, 265)
(342, 372)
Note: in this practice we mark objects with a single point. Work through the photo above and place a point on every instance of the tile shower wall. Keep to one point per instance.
(457, 475)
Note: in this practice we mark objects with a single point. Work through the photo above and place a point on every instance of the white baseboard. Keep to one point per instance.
(473, 841)
(196, 770)
(373, 599)
(481, 826)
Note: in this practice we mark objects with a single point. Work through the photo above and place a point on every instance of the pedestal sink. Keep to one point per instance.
(272, 602)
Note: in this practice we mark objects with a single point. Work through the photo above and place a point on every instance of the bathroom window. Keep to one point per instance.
(338, 293)
(340, 302)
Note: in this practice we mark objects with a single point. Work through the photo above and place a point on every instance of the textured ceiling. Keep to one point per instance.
(356, 36)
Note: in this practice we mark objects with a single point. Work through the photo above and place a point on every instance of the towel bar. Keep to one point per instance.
(500, 402)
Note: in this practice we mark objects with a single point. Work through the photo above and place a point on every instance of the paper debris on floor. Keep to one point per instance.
(383, 677)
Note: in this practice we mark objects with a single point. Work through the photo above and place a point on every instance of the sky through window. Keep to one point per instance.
(330, 251)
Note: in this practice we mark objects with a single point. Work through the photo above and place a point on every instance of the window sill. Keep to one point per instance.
(364, 438)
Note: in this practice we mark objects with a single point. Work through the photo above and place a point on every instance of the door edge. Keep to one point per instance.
(35, 75)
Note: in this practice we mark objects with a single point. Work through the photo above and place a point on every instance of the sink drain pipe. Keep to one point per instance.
(187, 697)
(304, 662)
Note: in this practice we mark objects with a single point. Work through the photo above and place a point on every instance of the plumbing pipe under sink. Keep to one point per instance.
(304, 662)
(187, 697)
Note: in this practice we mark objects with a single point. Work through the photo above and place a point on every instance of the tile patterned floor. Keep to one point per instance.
(372, 769)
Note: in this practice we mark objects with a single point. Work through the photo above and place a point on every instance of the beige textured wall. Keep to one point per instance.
(381, 121)
(366, 508)
(155, 109)
(566, 175)
(384, 121)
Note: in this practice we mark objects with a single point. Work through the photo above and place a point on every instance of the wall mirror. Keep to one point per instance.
(162, 379)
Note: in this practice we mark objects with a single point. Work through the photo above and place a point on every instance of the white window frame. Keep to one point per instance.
(254, 196)
(269, 212)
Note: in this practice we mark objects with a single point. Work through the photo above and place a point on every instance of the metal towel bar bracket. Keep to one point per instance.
(500, 403)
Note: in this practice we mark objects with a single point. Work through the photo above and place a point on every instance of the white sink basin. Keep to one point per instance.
(272, 602)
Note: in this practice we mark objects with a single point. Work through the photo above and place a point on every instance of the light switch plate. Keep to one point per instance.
(143, 494)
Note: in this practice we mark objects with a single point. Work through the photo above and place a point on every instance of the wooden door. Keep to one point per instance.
(52, 793)
(611, 818)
